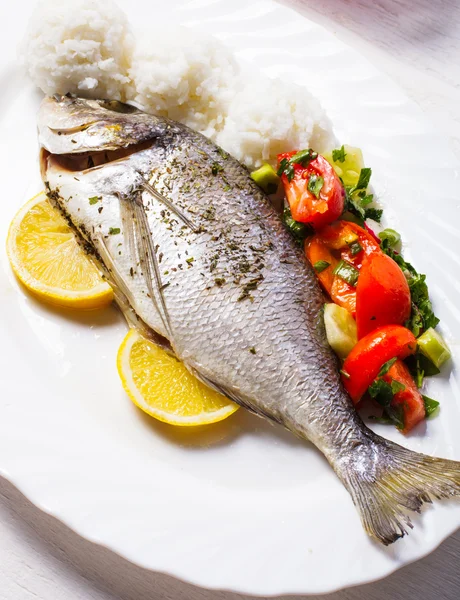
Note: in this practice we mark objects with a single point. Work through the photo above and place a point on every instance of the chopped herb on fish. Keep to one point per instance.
(296, 383)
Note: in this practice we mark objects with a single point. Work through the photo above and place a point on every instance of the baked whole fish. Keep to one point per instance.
(199, 259)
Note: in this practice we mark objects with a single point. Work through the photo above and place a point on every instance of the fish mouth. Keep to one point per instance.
(85, 162)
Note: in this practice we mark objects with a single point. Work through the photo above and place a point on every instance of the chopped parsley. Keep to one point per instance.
(114, 230)
(216, 168)
(347, 272)
(383, 393)
(357, 199)
(321, 265)
(420, 367)
(252, 350)
(355, 248)
(339, 155)
(299, 230)
(387, 366)
(315, 184)
(364, 179)
(303, 157)
(422, 315)
(94, 200)
(286, 166)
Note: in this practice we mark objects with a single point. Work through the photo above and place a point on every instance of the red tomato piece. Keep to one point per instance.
(344, 294)
(364, 362)
(316, 250)
(382, 294)
(318, 209)
(334, 243)
(410, 399)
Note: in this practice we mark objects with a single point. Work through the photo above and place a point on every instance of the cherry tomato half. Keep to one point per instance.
(382, 294)
(317, 205)
(409, 400)
(345, 241)
(364, 362)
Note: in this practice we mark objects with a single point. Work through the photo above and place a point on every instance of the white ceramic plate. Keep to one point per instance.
(241, 505)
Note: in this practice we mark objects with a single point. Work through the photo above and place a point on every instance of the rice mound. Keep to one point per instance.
(86, 47)
(186, 76)
(268, 117)
(79, 46)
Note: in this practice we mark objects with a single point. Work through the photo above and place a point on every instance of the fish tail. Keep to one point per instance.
(386, 481)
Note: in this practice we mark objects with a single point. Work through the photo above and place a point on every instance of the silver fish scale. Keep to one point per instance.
(217, 322)
(196, 251)
(243, 307)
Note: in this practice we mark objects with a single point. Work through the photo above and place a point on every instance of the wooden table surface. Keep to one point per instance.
(418, 43)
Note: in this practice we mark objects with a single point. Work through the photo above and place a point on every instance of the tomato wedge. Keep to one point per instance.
(344, 241)
(409, 400)
(382, 294)
(315, 193)
(364, 362)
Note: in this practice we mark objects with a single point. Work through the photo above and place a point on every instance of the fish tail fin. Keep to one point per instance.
(398, 480)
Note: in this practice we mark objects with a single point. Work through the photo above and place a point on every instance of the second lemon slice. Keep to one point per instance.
(162, 386)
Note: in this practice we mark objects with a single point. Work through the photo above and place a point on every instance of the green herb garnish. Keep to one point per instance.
(387, 366)
(114, 230)
(422, 315)
(347, 272)
(431, 406)
(315, 184)
(397, 386)
(286, 168)
(355, 248)
(420, 367)
(364, 179)
(339, 155)
(252, 350)
(299, 230)
(321, 265)
(94, 200)
(381, 391)
(216, 168)
(303, 157)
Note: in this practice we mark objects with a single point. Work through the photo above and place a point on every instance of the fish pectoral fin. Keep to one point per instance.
(141, 247)
(124, 300)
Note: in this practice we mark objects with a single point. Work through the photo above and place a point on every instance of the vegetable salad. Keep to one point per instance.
(379, 321)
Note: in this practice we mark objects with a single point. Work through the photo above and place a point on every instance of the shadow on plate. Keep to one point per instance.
(241, 423)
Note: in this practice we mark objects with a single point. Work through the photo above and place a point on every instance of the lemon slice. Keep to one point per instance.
(161, 386)
(46, 257)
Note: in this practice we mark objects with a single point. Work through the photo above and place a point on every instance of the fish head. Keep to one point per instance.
(71, 125)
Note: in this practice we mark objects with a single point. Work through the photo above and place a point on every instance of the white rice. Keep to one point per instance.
(268, 117)
(86, 47)
(79, 46)
(184, 76)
